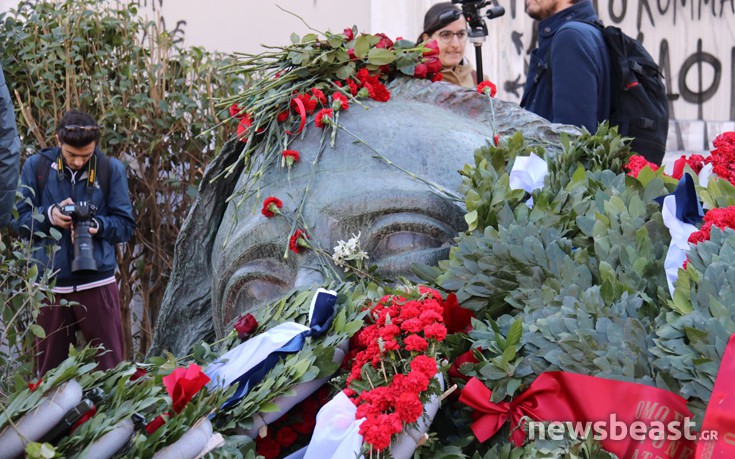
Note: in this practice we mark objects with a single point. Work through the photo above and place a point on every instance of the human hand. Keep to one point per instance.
(59, 218)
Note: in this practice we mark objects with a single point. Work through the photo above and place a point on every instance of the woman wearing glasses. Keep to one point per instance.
(441, 24)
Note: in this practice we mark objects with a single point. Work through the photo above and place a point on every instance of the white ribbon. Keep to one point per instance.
(528, 174)
(337, 432)
(680, 233)
(250, 353)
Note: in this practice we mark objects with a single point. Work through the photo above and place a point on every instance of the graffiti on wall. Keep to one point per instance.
(692, 40)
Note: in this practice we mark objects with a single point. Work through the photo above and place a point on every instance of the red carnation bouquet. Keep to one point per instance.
(393, 364)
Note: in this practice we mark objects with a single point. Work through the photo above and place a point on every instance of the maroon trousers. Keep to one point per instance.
(97, 315)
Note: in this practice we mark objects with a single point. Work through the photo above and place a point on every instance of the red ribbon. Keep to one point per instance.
(302, 113)
(569, 397)
(718, 429)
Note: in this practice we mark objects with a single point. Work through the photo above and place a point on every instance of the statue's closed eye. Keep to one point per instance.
(255, 284)
(397, 240)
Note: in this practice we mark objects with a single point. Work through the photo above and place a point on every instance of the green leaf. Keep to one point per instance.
(295, 39)
(381, 56)
(38, 331)
(514, 333)
(362, 46)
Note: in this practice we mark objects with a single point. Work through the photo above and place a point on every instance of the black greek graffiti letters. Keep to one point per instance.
(701, 95)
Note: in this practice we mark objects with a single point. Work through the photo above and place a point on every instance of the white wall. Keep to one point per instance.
(690, 38)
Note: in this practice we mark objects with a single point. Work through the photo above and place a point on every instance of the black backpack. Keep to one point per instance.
(638, 104)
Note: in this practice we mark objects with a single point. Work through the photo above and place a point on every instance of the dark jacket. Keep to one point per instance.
(569, 73)
(114, 214)
(9, 153)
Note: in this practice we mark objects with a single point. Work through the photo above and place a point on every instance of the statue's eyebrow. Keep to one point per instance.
(350, 212)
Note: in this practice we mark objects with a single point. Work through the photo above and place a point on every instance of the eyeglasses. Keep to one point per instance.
(76, 127)
(445, 36)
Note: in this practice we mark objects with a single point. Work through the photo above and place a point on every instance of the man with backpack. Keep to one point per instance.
(569, 73)
(583, 73)
(84, 195)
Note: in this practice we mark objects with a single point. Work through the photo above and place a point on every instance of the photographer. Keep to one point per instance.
(84, 195)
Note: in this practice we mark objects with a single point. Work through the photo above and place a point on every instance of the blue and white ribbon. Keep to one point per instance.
(528, 174)
(680, 211)
(247, 364)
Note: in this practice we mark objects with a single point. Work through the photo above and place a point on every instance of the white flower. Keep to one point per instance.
(349, 254)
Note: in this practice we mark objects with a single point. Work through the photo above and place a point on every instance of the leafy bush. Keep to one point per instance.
(154, 99)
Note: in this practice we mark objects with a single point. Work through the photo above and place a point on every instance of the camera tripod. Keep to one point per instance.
(477, 27)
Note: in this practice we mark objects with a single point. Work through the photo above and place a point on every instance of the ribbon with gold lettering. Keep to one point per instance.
(630, 419)
(717, 439)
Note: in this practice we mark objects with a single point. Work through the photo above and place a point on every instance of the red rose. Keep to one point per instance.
(456, 318)
(434, 65)
(420, 71)
(437, 77)
(349, 34)
(384, 42)
(298, 241)
(267, 447)
(320, 117)
(306, 426)
(245, 326)
(432, 48)
(183, 383)
(454, 370)
(351, 54)
(487, 87)
(286, 437)
(271, 206)
(139, 373)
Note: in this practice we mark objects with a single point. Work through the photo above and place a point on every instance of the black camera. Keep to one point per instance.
(82, 215)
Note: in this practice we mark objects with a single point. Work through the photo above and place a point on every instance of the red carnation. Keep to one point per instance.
(424, 365)
(245, 326)
(415, 343)
(435, 331)
(271, 206)
(340, 102)
(319, 96)
(416, 381)
(487, 87)
(636, 163)
(696, 162)
(291, 156)
(353, 87)
(409, 407)
(298, 241)
(320, 117)
(283, 116)
(722, 157)
(309, 103)
(721, 217)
